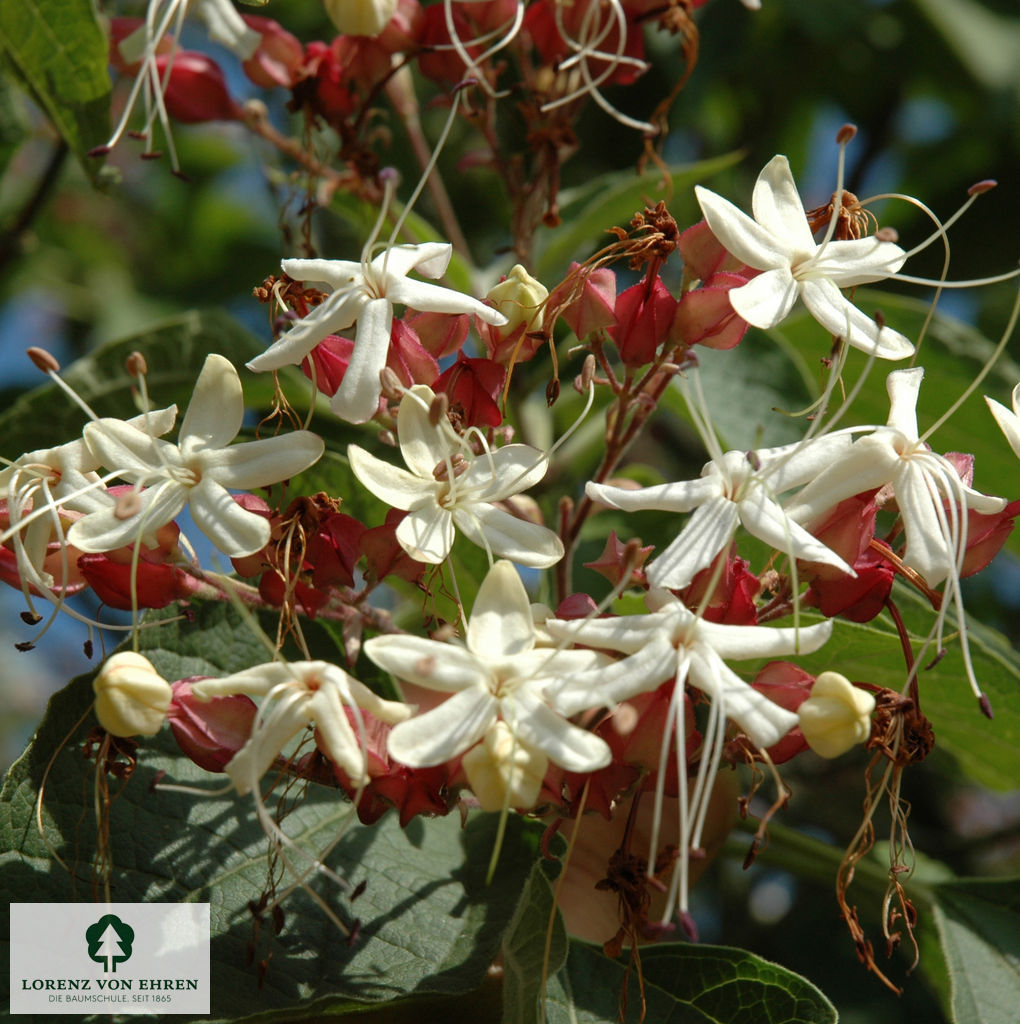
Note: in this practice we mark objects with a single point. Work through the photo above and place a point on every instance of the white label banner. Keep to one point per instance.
(79, 958)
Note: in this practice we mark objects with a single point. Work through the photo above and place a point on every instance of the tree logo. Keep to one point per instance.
(109, 942)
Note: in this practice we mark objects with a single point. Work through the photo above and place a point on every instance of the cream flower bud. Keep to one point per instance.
(360, 17)
(500, 763)
(519, 298)
(132, 698)
(836, 716)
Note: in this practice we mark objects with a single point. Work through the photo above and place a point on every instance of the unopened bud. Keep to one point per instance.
(519, 298)
(132, 698)
(503, 771)
(836, 716)
(43, 360)
(846, 134)
(365, 18)
(981, 187)
(136, 365)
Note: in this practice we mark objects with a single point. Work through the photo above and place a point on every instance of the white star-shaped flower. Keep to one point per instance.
(499, 675)
(296, 695)
(671, 642)
(447, 486)
(738, 487)
(931, 498)
(365, 293)
(778, 242)
(197, 471)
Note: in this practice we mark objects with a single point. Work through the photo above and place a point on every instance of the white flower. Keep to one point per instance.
(778, 242)
(672, 643)
(40, 484)
(923, 482)
(446, 485)
(197, 471)
(736, 487)
(299, 694)
(837, 715)
(500, 675)
(1009, 422)
(365, 293)
(360, 17)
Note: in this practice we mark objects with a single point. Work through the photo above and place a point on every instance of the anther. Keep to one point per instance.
(986, 706)
(887, 235)
(846, 134)
(136, 365)
(31, 618)
(456, 462)
(879, 318)
(981, 187)
(43, 360)
(587, 372)
(97, 151)
(438, 409)
(389, 384)
(128, 505)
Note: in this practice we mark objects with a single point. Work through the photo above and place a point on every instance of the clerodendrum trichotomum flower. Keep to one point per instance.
(365, 293)
(778, 241)
(197, 471)
(499, 676)
(737, 487)
(296, 695)
(447, 486)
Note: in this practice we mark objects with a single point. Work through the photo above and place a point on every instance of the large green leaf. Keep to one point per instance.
(684, 984)
(175, 351)
(429, 921)
(59, 52)
(978, 921)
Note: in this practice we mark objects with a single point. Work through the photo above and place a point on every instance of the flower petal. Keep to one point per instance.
(507, 536)
(677, 497)
(855, 261)
(105, 530)
(252, 464)
(429, 663)
(840, 317)
(358, 395)
(389, 483)
(707, 532)
(427, 533)
(1009, 423)
(500, 625)
(216, 410)
(767, 299)
(232, 529)
(424, 444)
(432, 298)
(777, 207)
(739, 234)
(539, 726)
(444, 732)
(745, 642)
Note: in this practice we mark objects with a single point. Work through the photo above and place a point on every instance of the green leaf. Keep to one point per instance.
(978, 921)
(588, 212)
(683, 984)
(428, 921)
(59, 52)
(526, 966)
(174, 351)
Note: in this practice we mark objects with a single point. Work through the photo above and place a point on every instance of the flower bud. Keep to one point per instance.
(519, 297)
(361, 17)
(836, 716)
(502, 763)
(132, 698)
(196, 90)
